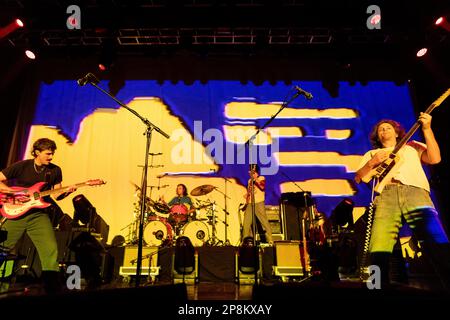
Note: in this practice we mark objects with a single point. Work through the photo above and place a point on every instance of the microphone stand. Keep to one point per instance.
(302, 228)
(227, 242)
(252, 180)
(148, 133)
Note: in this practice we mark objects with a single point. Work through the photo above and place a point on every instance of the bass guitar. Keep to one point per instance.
(18, 202)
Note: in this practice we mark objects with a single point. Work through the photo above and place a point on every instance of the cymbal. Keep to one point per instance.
(202, 190)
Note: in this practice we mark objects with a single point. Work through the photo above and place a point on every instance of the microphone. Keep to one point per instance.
(307, 94)
(88, 78)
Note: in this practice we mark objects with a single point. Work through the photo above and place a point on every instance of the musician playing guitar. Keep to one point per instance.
(36, 222)
(258, 189)
(405, 195)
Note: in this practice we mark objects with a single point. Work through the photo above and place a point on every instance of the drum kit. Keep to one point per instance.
(164, 224)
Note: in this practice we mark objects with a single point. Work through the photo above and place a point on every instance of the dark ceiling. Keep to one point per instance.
(225, 27)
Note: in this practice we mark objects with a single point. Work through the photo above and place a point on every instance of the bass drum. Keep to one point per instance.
(197, 232)
(157, 233)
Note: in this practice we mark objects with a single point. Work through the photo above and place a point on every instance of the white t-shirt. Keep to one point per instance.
(259, 195)
(410, 171)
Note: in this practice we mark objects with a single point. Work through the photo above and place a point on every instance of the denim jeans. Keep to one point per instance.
(414, 205)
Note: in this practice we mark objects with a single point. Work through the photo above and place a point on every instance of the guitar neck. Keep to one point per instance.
(411, 131)
(49, 192)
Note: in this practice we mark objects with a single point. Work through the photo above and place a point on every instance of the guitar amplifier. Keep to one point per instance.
(295, 206)
(149, 265)
(287, 259)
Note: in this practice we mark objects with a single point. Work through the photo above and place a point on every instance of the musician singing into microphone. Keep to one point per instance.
(258, 189)
(405, 197)
(36, 222)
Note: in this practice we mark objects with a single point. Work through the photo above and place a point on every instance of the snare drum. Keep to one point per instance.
(197, 232)
(157, 232)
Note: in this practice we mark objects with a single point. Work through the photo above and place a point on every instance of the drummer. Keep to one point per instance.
(181, 198)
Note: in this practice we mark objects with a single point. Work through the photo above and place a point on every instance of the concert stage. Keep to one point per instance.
(273, 301)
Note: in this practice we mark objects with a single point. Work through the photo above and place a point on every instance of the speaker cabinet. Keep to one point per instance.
(275, 221)
(292, 221)
(295, 206)
(287, 259)
(149, 265)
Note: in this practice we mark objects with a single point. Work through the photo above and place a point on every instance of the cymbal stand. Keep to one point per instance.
(132, 231)
(214, 240)
(152, 155)
(227, 242)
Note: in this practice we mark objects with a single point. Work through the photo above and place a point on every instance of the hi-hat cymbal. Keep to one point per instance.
(202, 190)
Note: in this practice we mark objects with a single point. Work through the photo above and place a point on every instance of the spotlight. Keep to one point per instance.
(19, 23)
(88, 256)
(342, 215)
(11, 27)
(184, 261)
(84, 210)
(248, 256)
(101, 67)
(30, 54)
(421, 52)
(443, 23)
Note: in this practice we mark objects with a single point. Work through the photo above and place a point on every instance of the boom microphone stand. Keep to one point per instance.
(91, 79)
(299, 91)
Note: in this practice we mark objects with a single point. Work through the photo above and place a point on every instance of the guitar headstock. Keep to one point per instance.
(95, 182)
(439, 100)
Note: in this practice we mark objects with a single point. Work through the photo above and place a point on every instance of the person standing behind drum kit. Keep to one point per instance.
(260, 209)
(180, 205)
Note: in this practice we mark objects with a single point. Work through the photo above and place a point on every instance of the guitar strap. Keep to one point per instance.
(371, 211)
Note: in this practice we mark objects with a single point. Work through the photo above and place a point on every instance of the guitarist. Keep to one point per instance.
(406, 197)
(36, 222)
(259, 188)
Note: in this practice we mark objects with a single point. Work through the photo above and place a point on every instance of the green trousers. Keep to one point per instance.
(39, 228)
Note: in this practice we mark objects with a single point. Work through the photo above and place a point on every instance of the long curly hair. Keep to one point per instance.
(185, 191)
(375, 141)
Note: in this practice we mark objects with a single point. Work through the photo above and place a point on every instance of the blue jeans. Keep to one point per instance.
(414, 205)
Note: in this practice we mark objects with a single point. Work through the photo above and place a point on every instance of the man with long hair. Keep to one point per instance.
(406, 197)
(256, 185)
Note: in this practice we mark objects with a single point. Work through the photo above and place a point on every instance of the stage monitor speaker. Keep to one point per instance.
(287, 259)
(149, 261)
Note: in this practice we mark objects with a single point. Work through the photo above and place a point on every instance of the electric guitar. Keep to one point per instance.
(248, 196)
(384, 171)
(18, 202)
